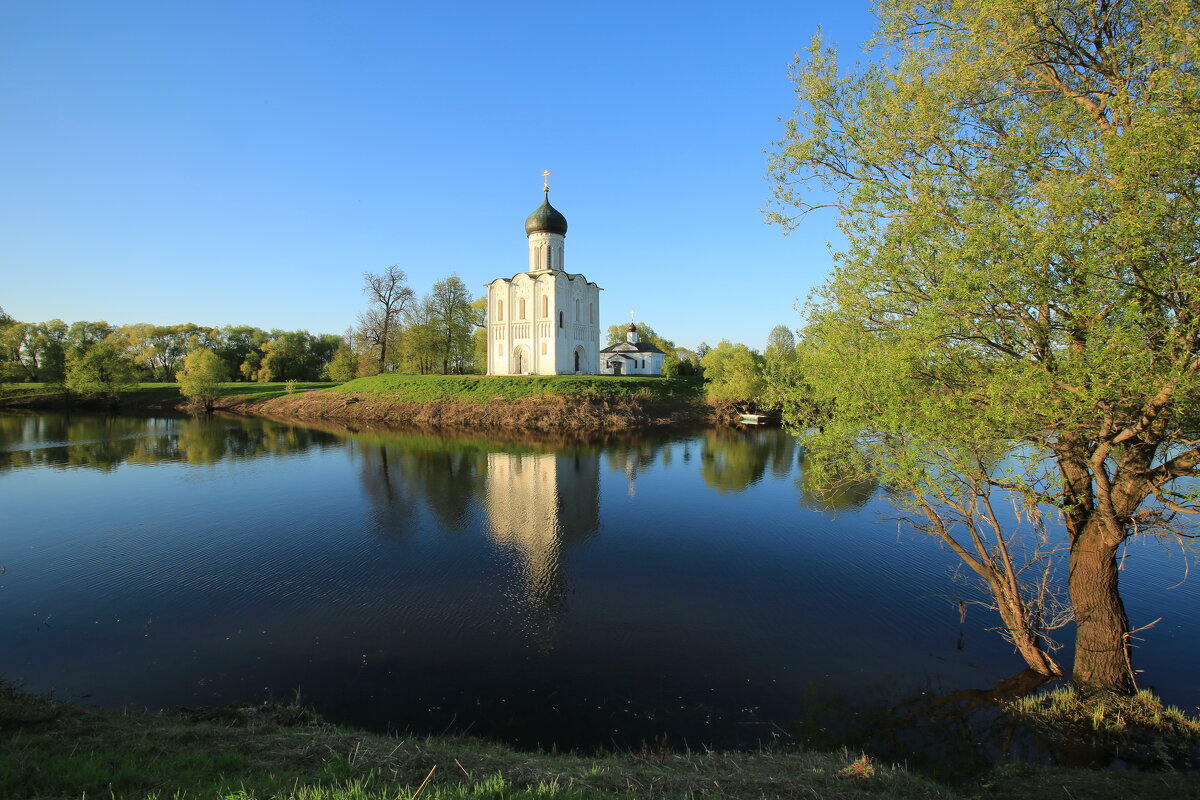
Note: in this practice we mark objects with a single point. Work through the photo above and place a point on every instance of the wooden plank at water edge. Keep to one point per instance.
(753, 419)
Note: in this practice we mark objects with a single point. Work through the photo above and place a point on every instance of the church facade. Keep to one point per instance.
(544, 321)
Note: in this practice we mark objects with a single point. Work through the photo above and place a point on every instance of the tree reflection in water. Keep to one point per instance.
(732, 460)
(103, 443)
(403, 473)
(833, 490)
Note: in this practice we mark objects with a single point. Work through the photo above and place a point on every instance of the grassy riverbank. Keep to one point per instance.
(50, 750)
(560, 402)
(146, 395)
(490, 388)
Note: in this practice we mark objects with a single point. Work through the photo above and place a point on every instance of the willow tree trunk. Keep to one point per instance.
(1102, 655)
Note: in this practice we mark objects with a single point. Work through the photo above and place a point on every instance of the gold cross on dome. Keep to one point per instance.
(546, 181)
(631, 317)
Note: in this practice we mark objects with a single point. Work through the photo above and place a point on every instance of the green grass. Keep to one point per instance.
(484, 389)
(265, 391)
(49, 750)
(1143, 713)
(163, 392)
(422, 388)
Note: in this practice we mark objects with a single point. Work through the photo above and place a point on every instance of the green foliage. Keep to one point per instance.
(685, 362)
(99, 370)
(454, 317)
(1017, 308)
(37, 352)
(201, 377)
(443, 333)
(48, 351)
(344, 364)
(11, 337)
(295, 355)
(240, 347)
(82, 335)
(618, 333)
(781, 345)
(158, 348)
(732, 373)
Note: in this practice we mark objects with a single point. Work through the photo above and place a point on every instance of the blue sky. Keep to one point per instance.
(245, 163)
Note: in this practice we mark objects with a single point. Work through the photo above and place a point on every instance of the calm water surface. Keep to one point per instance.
(602, 596)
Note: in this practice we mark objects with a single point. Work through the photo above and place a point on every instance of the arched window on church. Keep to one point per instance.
(578, 317)
(549, 258)
(577, 361)
(543, 348)
(499, 311)
(560, 319)
(545, 305)
(592, 313)
(522, 308)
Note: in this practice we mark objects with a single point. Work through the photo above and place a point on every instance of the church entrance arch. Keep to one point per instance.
(520, 360)
(580, 357)
(616, 365)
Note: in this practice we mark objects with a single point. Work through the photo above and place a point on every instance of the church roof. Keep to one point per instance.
(546, 219)
(631, 347)
(550, 273)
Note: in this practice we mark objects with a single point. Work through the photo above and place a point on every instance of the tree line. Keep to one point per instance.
(54, 352)
(441, 332)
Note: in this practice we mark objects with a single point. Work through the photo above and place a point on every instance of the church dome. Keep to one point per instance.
(546, 219)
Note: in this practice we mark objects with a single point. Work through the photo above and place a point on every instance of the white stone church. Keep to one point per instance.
(632, 357)
(544, 321)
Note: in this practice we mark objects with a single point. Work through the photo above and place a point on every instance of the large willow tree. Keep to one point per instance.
(1017, 313)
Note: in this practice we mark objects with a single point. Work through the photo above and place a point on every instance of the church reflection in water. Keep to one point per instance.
(538, 505)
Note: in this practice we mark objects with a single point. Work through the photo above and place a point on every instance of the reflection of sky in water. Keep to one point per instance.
(583, 595)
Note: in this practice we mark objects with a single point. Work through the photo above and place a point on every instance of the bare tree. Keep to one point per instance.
(390, 296)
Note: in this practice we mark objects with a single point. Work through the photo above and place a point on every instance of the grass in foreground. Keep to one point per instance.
(48, 750)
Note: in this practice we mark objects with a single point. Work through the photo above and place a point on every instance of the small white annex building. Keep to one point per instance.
(544, 321)
(631, 357)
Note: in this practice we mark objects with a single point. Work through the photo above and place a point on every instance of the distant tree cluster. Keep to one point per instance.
(736, 375)
(440, 333)
(99, 358)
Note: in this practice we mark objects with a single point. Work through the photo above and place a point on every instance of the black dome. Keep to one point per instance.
(546, 219)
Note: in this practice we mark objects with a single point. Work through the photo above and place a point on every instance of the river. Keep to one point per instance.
(683, 587)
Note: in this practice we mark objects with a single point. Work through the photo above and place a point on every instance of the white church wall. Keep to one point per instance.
(548, 316)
